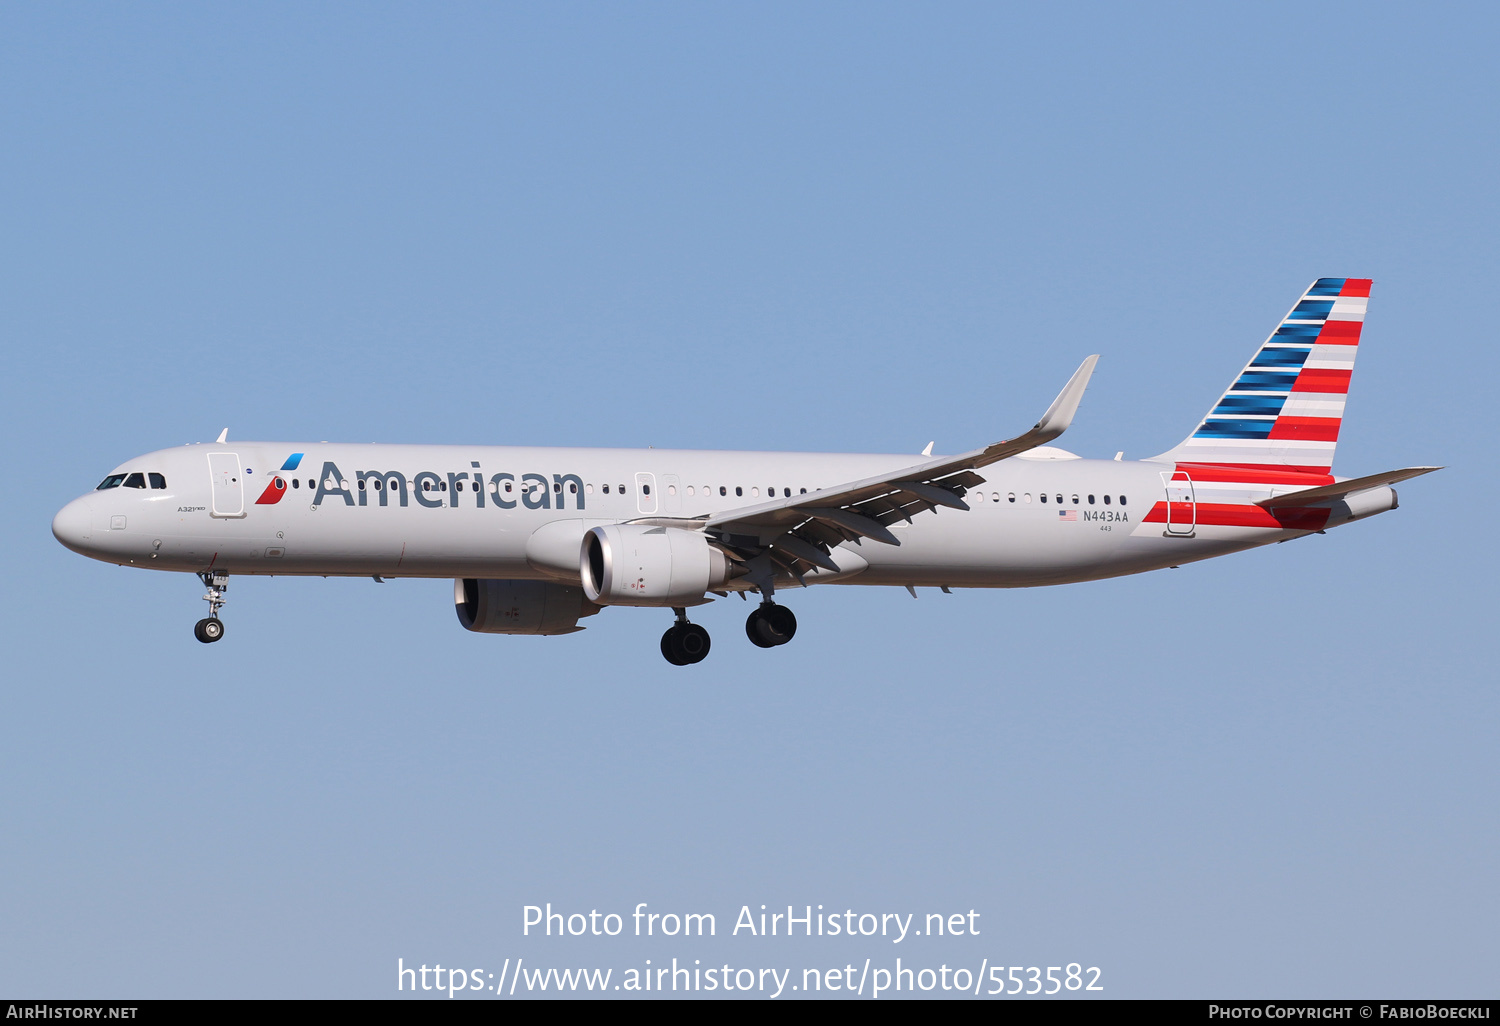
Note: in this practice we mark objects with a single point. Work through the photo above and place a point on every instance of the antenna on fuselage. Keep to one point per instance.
(223, 437)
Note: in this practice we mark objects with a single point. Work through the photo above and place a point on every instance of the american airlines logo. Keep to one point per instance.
(277, 488)
(429, 488)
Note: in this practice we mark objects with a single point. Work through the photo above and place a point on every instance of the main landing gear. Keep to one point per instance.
(687, 643)
(771, 625)
(684, 643)
(211, 628)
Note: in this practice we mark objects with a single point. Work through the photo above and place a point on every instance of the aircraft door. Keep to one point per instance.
(1182, 507)
(227, 485)
(645, 493)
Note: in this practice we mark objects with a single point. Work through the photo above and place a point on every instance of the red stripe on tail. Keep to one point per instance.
(1340, 333)
(1316, 380)
(1307, 429)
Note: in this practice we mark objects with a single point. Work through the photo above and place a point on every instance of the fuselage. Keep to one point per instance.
(1047, 517)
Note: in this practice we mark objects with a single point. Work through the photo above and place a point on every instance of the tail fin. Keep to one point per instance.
(1285, 408)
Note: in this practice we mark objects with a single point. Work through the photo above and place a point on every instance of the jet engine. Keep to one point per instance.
(638, 565)
(519, 607)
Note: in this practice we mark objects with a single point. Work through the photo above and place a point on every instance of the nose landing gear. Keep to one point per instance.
(771, 625)
(684, 643)
(211, 628)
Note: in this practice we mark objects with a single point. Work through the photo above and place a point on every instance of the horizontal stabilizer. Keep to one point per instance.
(1328, 493)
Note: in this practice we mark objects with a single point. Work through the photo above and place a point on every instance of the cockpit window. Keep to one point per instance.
(112, 481)
(136, 480)
(157, 481)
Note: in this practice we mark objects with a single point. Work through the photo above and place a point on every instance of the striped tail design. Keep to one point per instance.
(1285, 408)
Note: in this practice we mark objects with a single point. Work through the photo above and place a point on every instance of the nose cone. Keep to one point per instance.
(72, 524)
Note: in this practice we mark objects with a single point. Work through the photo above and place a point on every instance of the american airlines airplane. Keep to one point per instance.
(538, 539)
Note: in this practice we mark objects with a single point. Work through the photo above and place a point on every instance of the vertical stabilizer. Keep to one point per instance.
(1285, 408)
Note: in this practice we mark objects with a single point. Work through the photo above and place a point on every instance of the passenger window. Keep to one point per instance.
(1059, 500)
(1091, 500)
(588, 489)
(296, 482)
(755, 492)
(311, 483)
(112, 481)
(606, 489)
(1122, 500)
(622, 489)
(738, 490)
(723, 490)
(804, 491)
(572, 487)
(1011, 496)
(1106, 500)
(1075, 500)
(690, 489)
(157, 481)
(361, 484)
(995, 497)
(136, 480)
(1027, 496)
(1044, 496)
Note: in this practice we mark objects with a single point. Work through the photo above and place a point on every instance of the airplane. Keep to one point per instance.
(538, 539)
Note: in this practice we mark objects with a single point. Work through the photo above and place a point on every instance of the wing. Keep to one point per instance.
(798, 533)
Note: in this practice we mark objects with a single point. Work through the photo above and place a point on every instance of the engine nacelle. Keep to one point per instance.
(519, 607)
(637, 565)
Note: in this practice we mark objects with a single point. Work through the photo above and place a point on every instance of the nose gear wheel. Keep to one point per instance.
(211, 628)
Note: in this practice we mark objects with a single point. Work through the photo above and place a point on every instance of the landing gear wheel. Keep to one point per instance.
(211, 628)
(669, 647)
(684, 644)
(771, 625)
(755, 632)
(693, 642)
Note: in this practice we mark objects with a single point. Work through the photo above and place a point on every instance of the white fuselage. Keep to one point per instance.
(1047, 517)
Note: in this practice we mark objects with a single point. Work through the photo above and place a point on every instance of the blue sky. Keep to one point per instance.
(839, 227)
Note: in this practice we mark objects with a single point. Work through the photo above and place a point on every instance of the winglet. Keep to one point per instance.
(1060, 414)
(223, 437)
